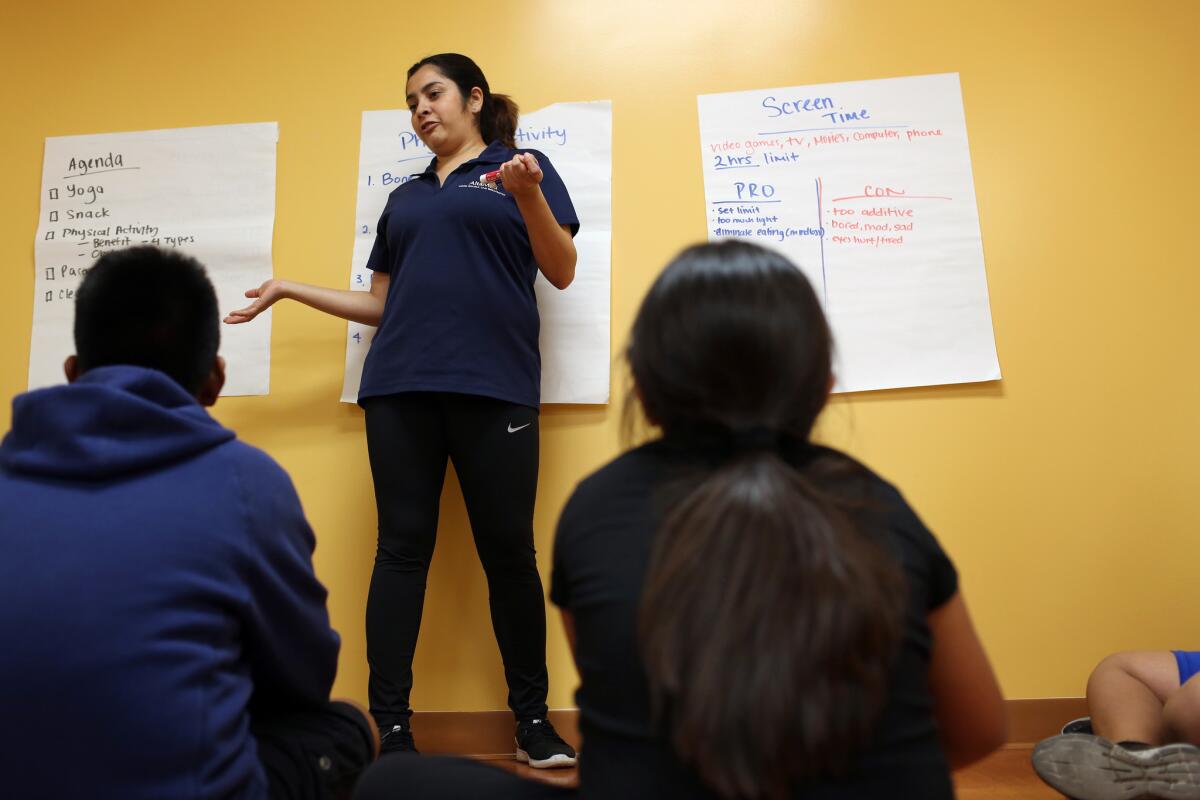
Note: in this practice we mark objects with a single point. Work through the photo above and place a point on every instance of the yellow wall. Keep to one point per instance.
(1067, 493)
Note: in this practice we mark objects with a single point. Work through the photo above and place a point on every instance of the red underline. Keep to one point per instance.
(891, 197)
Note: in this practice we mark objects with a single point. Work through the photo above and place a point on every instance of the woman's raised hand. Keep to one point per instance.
(521, 173)
(264, 296)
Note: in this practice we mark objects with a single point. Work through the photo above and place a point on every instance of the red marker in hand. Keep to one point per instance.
(535, 170)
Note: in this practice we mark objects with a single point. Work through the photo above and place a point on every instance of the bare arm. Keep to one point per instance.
(364, 307)
(553, 248)
(967, 701)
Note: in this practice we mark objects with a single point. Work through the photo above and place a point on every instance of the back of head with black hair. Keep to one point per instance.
(148, 307)
(768, 618)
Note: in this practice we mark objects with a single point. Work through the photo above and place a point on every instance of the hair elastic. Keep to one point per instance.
(757, 437)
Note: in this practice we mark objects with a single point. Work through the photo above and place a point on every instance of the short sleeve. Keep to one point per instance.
(555, 192)
(941, 577)
(380, 259)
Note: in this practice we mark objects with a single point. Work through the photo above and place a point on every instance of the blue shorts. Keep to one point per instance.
(1189, 664)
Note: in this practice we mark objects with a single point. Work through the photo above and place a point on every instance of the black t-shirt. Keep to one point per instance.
(601, 554)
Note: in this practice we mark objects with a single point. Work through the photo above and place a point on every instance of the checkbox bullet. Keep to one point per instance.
(49, 273)
(49, 235)
(49, 296)
(54, 216)
(54, 194)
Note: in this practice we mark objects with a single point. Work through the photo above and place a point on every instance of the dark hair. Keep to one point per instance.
(498, 117)
(148, 307)
(768, 619)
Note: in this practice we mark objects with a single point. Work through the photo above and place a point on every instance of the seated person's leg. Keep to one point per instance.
(1145, 721)
(401, 776)
(1126, 694)
(316, 755)
(1182, 710)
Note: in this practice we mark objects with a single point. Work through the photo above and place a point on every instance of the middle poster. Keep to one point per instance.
(577, 137)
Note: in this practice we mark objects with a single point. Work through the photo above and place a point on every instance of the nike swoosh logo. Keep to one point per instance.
(511, 429)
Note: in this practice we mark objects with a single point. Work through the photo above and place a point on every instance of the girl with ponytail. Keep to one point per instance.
(454, 373)
(753, 615)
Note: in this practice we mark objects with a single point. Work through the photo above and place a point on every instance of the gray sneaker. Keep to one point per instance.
(1088, 767)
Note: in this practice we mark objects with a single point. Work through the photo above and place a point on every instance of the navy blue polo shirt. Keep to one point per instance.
(460, 314)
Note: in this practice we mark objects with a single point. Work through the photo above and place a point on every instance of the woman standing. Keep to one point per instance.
(454, 372)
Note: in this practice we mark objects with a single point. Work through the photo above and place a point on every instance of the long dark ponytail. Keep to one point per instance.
(768, 620)
(499, 114)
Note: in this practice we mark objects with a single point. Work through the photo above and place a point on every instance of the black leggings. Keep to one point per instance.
(494, 446)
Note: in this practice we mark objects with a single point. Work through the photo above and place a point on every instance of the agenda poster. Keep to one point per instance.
(207, 191)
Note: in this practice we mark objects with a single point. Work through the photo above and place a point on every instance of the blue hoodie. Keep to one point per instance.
(156, 588)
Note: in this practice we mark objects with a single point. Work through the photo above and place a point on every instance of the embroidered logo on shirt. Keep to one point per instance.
(480, 183)
(511, 429)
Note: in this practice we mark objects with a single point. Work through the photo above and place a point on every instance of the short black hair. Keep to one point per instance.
(148, 307)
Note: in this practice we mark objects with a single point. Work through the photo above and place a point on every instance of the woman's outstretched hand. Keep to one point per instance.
(264, 296)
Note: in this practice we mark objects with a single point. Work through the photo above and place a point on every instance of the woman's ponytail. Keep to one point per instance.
(769, 617)
(498, 119)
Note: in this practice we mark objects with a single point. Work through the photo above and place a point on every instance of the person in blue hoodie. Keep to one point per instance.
(164, 633)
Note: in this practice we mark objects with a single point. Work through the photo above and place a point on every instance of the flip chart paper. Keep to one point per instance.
(207, 191)
(867, 187)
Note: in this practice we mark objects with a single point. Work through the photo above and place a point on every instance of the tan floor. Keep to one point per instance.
(1005, 775)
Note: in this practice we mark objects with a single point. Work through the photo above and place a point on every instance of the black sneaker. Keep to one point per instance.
(396, 739)
(1080, 725)
(1093, 768)
(540, 746)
